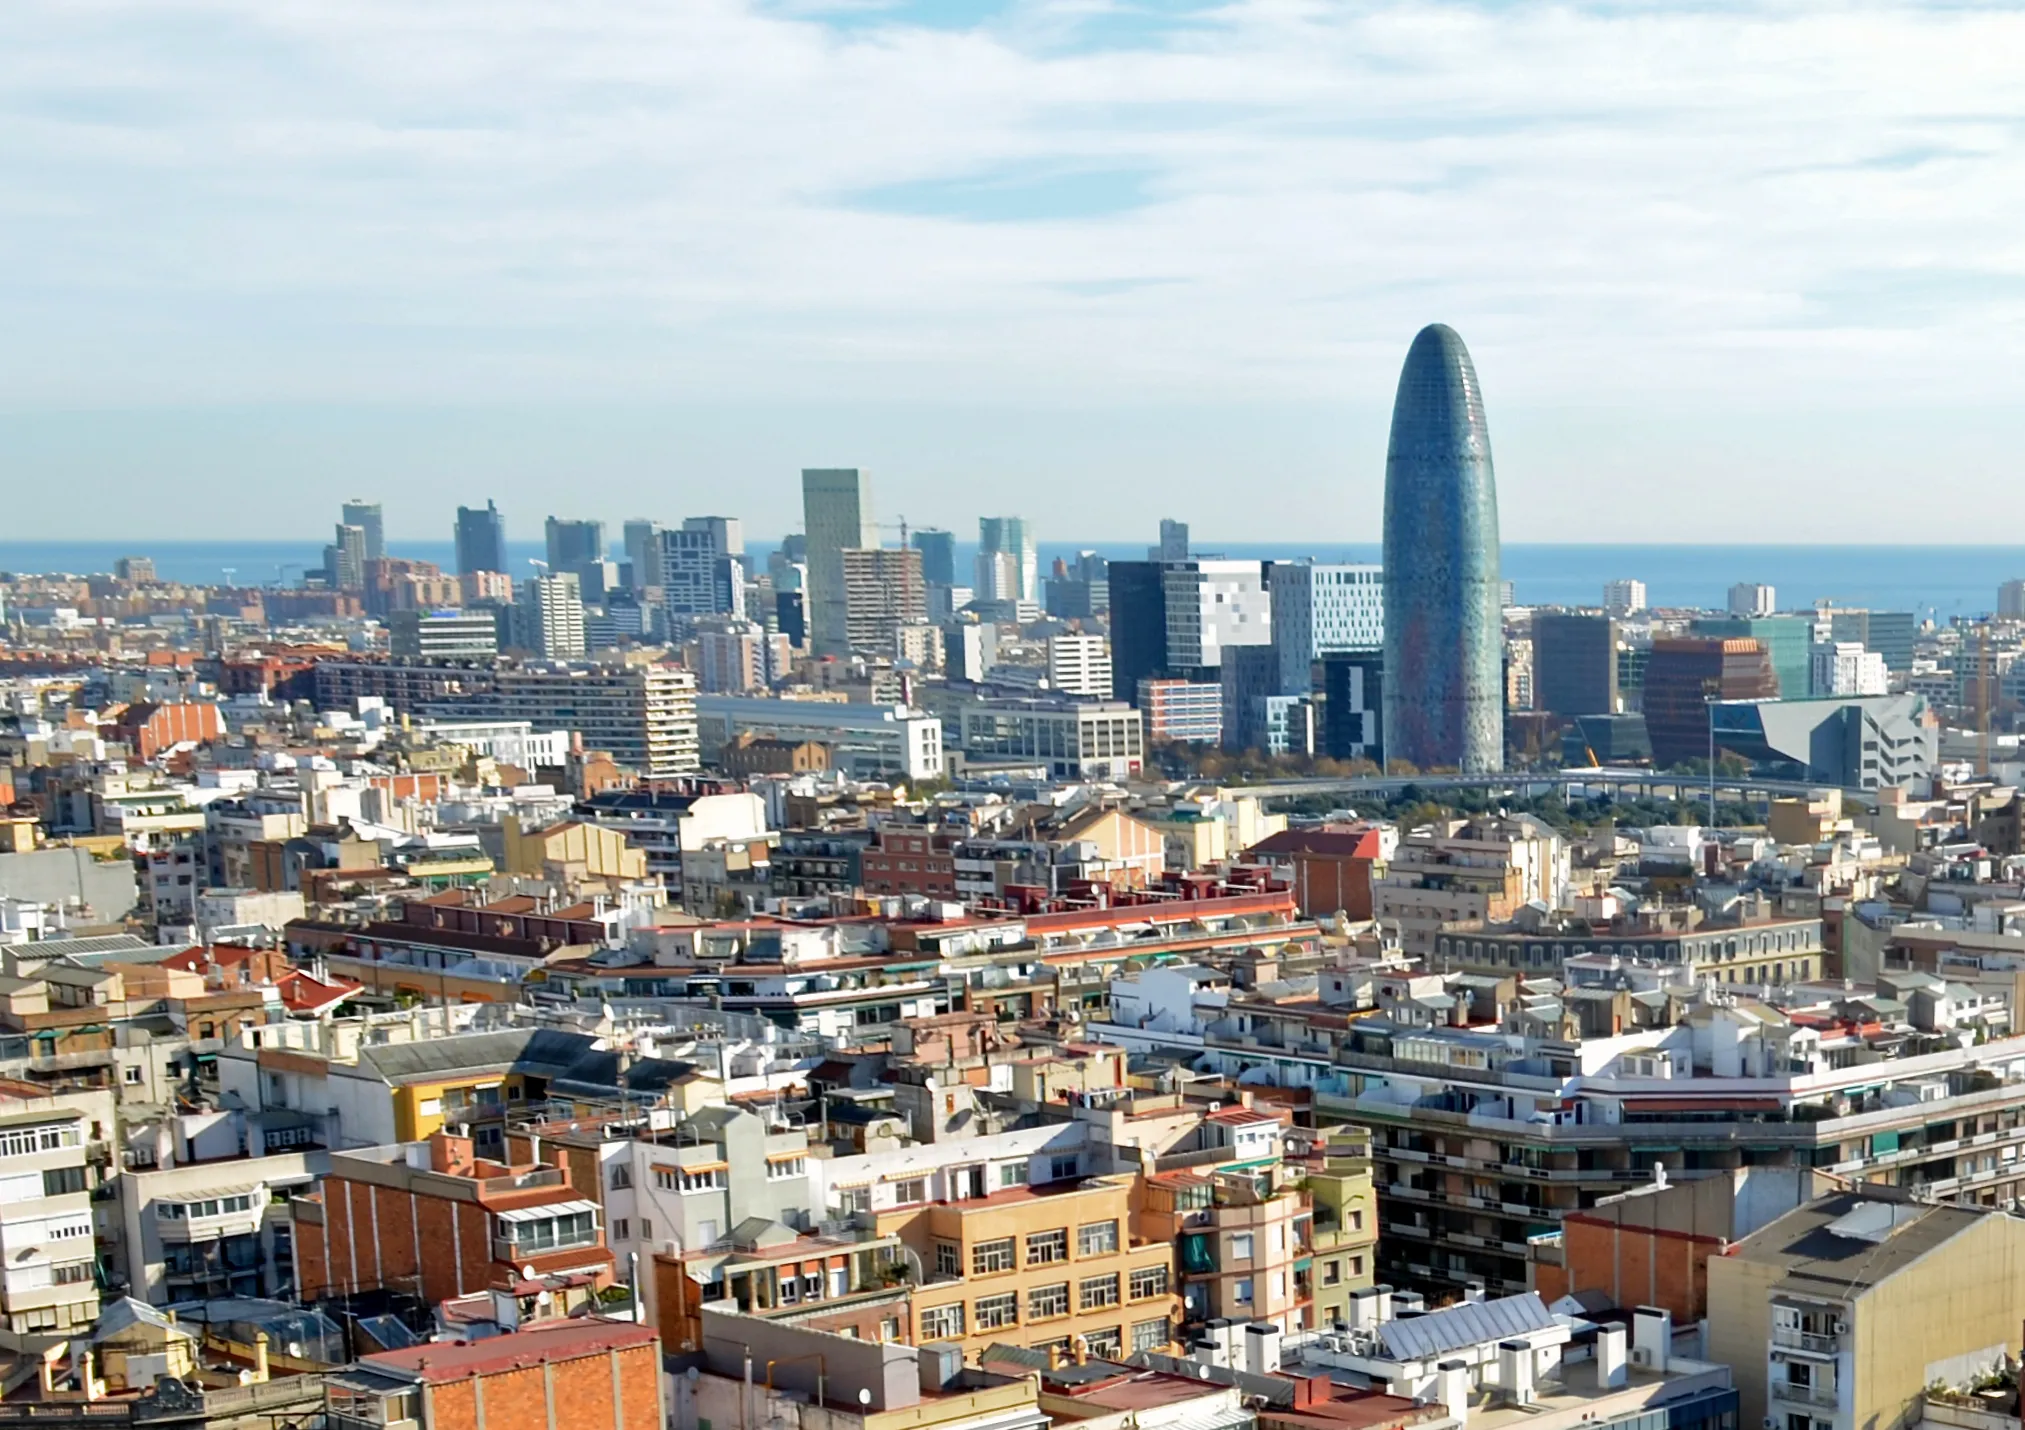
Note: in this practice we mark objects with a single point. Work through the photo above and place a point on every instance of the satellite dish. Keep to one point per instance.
(527, 1272)
(864, 1396)
(692, 1375)
(295, 1349)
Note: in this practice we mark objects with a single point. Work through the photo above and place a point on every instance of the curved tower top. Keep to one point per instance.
(1444, 696)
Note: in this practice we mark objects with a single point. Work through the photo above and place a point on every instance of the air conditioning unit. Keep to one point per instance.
(1641, 1355)
(1842, 1328)
(1770, 1424)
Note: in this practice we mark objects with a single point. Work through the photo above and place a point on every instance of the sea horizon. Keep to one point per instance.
(1936, 581)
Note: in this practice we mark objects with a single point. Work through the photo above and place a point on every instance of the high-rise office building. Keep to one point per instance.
(703, 567)
(1788, 641)
(481, 539)
(367, 517)
(1321, 608)
(1353, 704)
(883, 589)
(1010, 538)
(1685, 675)
(837, 515)
(2011, 601)
(1078, 590)
(643, 552)
(938, 555)
(345, 558)
(1211, 605)
(1574, 664)
(573, 543)
(1080, 665)
(1444, 644)
(1173, 541)
(551, 616)
(1624, 598)
(1752, 598)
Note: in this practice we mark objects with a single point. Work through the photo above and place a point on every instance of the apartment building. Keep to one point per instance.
(1058, 1265)
(49, 1282)
(1758, 950)
(1484, 1138)
(1243, 1243)
(1080, 665)
(201, 1208)
(435, 1219)
(1468, 872)
(643, 716)
(584, 1375)
(1841, 1313)
(1343, 1226)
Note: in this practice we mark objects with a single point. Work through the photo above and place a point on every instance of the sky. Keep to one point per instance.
(1730, 272)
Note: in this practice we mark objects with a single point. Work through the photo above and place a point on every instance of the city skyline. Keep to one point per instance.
(1084, 249)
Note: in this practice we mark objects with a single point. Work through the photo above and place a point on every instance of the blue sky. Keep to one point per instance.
(1096, 259)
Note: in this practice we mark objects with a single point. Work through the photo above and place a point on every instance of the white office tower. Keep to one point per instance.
(1322, 608)
(1847, 668)
(1080, 665)
(1752, 598)
(550, 612)
(1011, 538)
(1213, 604)
(837, 515)
(1623, 598)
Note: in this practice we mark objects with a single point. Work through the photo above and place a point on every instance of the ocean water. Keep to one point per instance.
(1934, 581)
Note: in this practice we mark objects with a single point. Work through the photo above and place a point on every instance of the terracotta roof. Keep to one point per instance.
(1342, 843)
(439, 1361)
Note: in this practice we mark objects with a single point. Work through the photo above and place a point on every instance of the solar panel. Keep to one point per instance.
(1473, 1323)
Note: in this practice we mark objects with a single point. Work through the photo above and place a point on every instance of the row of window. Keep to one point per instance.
(22, 1141)
(211, 1206)
(1092, 1293)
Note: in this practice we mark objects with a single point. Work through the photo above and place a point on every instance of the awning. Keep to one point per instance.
(543, 1213)
(1701, 1104)
(692, 1167)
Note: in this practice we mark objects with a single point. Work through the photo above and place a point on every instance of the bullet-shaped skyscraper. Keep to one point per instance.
(1444, 643)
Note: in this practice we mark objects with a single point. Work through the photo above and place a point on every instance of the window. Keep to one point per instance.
(646, 1229)
(1332, 1273)
(1046, 1301)
(131, 1075)
(1062, 1167)
(58, 1181)
(1105, 1343)
(700, 1179)
(1356, 1266)
(20, 1141)
(622, 1178)
(889, 1329)
(914, 1189)
(622, 1229)
(1148, 1281)
(996, 1311)
(1012, 1174)
(1150, 1335)
(1047, 1246)
(1097, 1238)
(948, 1259)
(988, 1257)
(1243, 1293)
(781, 1169)
(942, 1323)
(855, 1199)
(71, 1275)
(1357, 1219)
(1241, 1246)
(1093, 1293)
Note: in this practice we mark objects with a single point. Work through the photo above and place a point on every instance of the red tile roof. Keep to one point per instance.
(442, 1361)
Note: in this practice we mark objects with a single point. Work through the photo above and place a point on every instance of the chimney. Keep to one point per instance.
(260, 1355)
(1610, 1373)
(1452, 1388)
(1262, 1348)
(1384, 1306)
(1473, 1291)
(1054, 1356)
(1515, 1371)
(1651, 1337)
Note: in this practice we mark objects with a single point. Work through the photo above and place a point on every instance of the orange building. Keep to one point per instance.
(1060, 1265)
(586, 1375)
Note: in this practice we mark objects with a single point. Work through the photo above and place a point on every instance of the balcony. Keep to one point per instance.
(1795, 1394)
(1816, 1344)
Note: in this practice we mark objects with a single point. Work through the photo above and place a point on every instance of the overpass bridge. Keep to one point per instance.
(1570, 783)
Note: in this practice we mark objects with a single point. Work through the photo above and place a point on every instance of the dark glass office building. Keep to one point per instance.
(481, 539)
(1444, 641)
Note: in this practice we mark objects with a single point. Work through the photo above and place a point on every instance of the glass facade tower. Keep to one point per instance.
(1444, 642)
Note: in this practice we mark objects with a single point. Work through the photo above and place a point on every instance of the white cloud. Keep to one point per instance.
(249, 201)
